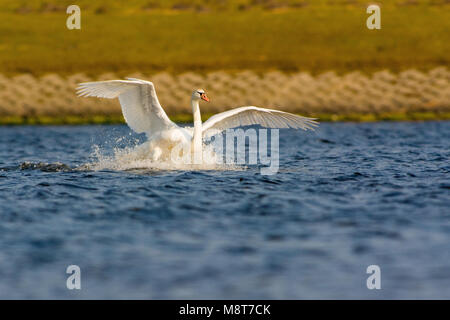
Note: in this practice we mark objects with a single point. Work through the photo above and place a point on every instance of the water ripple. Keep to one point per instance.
(345, 197)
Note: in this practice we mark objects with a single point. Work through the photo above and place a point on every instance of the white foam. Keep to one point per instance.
(139, 157)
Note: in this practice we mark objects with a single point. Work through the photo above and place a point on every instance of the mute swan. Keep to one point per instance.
(144, 114)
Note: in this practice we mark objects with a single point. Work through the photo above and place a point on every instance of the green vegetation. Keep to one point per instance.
(203, 35)
(187, 118)
(122, 37)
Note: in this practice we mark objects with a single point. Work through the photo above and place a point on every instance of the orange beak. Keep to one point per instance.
(204, 97)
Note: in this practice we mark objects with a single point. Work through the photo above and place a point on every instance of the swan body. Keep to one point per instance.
(143, 114)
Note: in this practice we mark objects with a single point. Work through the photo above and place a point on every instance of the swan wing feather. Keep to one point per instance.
(140, 106)
(245, 116)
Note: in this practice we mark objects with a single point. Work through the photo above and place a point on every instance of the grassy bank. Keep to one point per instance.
(309, 57)
(178, 36)
(187, 118)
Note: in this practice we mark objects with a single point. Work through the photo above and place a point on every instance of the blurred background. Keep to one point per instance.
(345, 197)
(315, 58)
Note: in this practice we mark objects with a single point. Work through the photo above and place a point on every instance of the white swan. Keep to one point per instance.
(144, 114)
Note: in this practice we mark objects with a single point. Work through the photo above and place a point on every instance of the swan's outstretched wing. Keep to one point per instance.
(140, 105)
(245, 116)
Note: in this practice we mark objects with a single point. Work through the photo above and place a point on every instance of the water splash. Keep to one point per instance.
(139, 157)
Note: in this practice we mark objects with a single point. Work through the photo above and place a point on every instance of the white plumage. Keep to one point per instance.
(140, 105)
(144, 114)
(268, 118)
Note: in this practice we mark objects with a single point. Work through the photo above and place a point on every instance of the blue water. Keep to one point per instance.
(346, 196)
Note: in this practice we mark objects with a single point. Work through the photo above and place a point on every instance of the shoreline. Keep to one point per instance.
(382, 96)
(187, 118)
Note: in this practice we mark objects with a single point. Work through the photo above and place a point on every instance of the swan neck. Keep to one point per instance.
(196, 113)
(197, 136)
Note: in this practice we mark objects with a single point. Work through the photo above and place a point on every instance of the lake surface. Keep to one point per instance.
(346, 196)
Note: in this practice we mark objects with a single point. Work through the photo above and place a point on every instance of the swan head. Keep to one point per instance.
(199, 94)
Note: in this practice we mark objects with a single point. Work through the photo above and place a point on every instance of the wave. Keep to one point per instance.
(46, 167)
